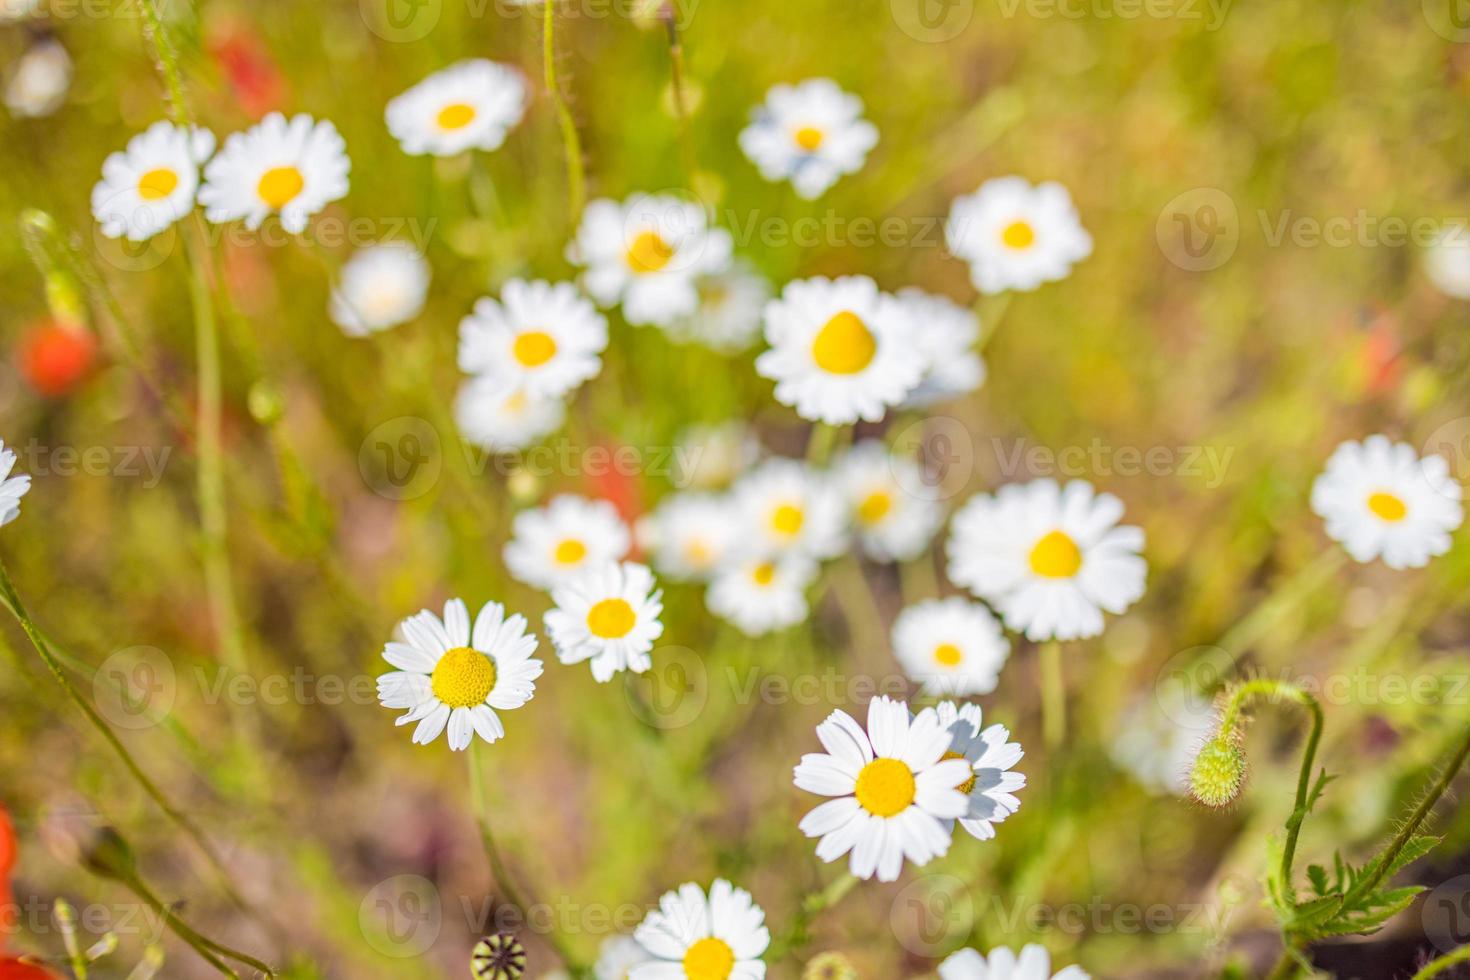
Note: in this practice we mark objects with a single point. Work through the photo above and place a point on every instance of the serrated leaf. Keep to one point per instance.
(1317, 875)
(1309, 915)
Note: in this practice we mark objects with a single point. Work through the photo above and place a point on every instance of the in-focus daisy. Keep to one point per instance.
(571, 534)
(450, 675)
(616, 958)
(151, 184)
(991, 786)
(893, 787)
(811, 134)
(762, 595)
(690, 535)
(694, 937)
(1016, 236)
(840, 350)
(784, 507)
(468, 106)
(293, 169)
(648, 253)
(950, 646)
(887, 502)
(381, 286)
(1380, 500)
(728, 319)
(546, 339)
(608, 614)
(1050, 560)
(945, 334)
(1034, 963)
(12, 488)
(491, 417)
(1448, 263)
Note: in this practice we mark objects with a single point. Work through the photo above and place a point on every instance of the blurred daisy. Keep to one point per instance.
(293, 168)
(551, 546)
(1034, 963)
(40, 82)
(616, 958)
(784, 506)
(946, 334)
(450, 675)
(689, 535)
(893, 787)
(728, 319)
(1016, 236)
(496, 419)
(763, 595)
(1380, 500)
(887, 502)
(608, 614)
(381, 286)
(710, 457)
(950, 646)
(1448, 263)
(1050, 560)
(694, 937)
(811, 134)
(468, 106)
(840, 350)
(1158, 739)
(151, 184)
(541, 337)
(18, 9)
(12, 488)
(991, 786)
(648, 253)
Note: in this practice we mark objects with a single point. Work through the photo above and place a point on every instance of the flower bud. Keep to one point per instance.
(1218, 772)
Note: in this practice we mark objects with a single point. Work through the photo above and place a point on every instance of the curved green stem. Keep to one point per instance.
(1446, 962)
(571, 143)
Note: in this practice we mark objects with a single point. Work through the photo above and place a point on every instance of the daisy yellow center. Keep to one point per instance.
(1390, 507)
(463, 678)
(534, 348)
(611, 619)
(157, 183)
(787, 519)
(1056, 556)
(709, 959)
(764, 573)
(844, 345)
(948, 655)
(885, 787)
(570, 551)
(968, 785)
(279, 186)
(808, 138)
(875, 506)
(456, 115)
(1018, 235)
(649, 252)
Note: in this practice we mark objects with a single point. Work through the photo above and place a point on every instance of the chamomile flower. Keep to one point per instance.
(1015, 235)
(608, 614)
(1448, 263)
(950, 646)
(1050, 559)
(690, 535)
(493, 418)
(784, 507)
(945, 334)
(151, 184)
(648, 253)
(450, 675)
(840, 350)
(616, 958)
(691, 936)
(763, 595)
(991, 786)
(551, 546)
(546, 339)
(888, 503)
(468, 106)
(810, 134)
(893, 789)
(1034, 963)
(291, 168)
(728, 318)
(12, 488)
(1379, 499)
(381, 286)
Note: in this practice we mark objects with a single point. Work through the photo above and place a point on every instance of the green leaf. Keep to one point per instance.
(1317, 875)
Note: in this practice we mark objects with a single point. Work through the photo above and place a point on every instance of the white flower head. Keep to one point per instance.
(546, 339)
(691, 936)
(1016, 236)
(552, 545)
(450, 675)
(992, 785)
(292, 168)
(840, 350)
(950, 646)
(763, 595)
(616, 958)
(491, 417)
(609, 614)
(381, 286)
(946, 334)
(1448, 263)
(810, 134)
(150, 185)
(468, 106)
(888, 503)
(785, 506)
(1379, 499)
(1050, 560)
(12, 488)
(728, 318)
(690, 535)
(40, 82)
(1034, 963)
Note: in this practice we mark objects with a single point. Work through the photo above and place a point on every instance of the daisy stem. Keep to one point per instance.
(168, 61)
(820, 443)
(991, 309)
(201, 944)
(1265, 617)
(1053, 695)
(571, 143)
(669, 12)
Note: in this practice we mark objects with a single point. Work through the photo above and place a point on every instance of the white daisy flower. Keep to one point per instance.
(689, 535)
(1380, 500)
(553, 545)
(894, 789)
(468, 106)
(763, 595)
(694, 937)
(648, 253)
(785, 506)
(1448, 263)
(893, 522)
(608, 614)
(1016, 236)
(710, 457)
(945, 334)
(40, 82)
(12, 488)
(616, 958)
(950, 646)
(151, 184)
(1157, 743)
(450, 675)
(1034, 963)
(991, 786)
(728, 319)
(840, 350)
(544, 338)
(811, 134)
(381, 286)
(293, 168)
(1051, 560)
(500, 420)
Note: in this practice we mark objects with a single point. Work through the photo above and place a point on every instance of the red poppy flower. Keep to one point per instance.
(56, 356)
(19, 970)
